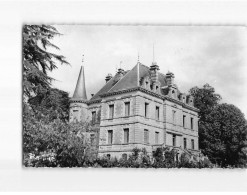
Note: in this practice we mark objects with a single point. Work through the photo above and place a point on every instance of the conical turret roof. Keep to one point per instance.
(80, 90)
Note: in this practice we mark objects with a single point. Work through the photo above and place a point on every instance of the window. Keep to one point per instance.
(75, 115)
(146, 109)
(108, 156)
(126, 136)
(124, 156)
(192, 144)
(184, 117)
(127, 108)
(156, 137)
(174, 116)
(111, 111)
(146, 136)
(191, 122)
(93, 117)
(110, 136)
(185, 143)
(157, 113)
(174, 140)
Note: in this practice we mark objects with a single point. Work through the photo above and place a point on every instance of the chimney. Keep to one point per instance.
(108, 77)
(119, 74)
(154, 68)
(170, 78)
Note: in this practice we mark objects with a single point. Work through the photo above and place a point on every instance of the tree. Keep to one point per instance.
(225, 134)
(215, 128)
(205, 99)
(37, 61)
(53, 103)
(54, 143)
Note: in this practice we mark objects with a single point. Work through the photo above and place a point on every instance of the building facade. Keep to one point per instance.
(138, 108)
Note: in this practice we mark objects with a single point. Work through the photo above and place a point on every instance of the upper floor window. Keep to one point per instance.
(93, 117)
(146, 136)
(185, 143)
(192, 123)
(157, 113)
(126, 136)
(174, 116)
(110, 136)
(156, 137)
(127, 108)
(192, 144)
(146, 109)
(111, 111)
(184, 119)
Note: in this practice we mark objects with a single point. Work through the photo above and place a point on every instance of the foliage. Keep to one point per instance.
(162, 158)
(205, 99)
(53, 143)
(225, 134)
(37, 61)
(53, 103)
(222, 128)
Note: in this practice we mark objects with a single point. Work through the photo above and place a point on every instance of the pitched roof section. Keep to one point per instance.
(80, 89)
(128, 81)
(106, 87)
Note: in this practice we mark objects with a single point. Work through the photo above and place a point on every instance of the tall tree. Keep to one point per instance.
(224, 136)
(37, 60)
(205, 99)
(53, 103)
(222, 127)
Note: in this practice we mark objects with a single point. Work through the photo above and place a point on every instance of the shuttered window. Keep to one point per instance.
(185, 143)
(157, 113)
(192, 123)
(174, 117)
(184, 117)
(127, 108)
(192, 144)
(126, 136)
(111, 111)
(146, 136)
(174, 140)
(110, 136)
(93, 117)
(146, 109)
(156, 137)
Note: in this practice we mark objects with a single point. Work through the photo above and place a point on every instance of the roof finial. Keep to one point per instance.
(120, 64)
(153, 51)
(138, 59)
(82, 58)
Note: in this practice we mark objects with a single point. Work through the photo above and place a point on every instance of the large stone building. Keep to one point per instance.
(138, 108)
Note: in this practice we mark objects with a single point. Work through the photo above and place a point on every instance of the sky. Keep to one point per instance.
(195, 54)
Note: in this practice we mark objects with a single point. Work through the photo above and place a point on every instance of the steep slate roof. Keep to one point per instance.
(128, 81)
(105, 88)
(80, 89)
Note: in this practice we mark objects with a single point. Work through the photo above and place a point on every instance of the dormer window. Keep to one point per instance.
(146, 84)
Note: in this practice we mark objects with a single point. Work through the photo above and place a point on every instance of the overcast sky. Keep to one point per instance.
(195, 54)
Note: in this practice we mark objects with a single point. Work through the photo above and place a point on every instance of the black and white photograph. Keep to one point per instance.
(134, 96)
(123, 96)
